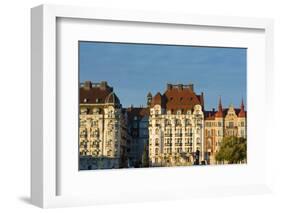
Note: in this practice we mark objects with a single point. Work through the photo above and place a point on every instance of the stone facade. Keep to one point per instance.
(101, 122)
(176, 125)
(173, 129)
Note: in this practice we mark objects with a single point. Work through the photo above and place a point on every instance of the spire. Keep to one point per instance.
(242, 112)
(220, 105)
(242, 104)
(149, 98)
(220, 111)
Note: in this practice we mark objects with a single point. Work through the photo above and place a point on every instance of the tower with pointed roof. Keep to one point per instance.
(149, 98)
(242, 121)
(214, 130)
(221, 123)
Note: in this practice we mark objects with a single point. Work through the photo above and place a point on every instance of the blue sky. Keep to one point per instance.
(135, 69)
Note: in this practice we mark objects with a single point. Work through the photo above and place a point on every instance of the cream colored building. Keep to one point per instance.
(176, 127)
(101, 125)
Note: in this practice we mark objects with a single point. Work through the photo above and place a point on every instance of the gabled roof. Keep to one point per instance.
(211, 115)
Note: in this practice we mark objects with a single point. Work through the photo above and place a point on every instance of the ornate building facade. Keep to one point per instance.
(176, 126)
(173, 129)
(102, 126)
(222, 123)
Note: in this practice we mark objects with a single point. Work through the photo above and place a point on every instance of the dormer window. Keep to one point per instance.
(96, 111)
(84, 111)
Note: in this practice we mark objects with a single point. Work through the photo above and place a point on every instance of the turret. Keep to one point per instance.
(149, 98)
(242, 112)
(219, 113)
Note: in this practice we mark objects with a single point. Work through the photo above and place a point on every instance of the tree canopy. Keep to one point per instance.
(233, 150)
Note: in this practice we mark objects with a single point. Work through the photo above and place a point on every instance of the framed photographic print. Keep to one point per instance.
(148, 105)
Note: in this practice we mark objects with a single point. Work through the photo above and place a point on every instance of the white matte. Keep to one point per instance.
(56, 181)
(129, 182)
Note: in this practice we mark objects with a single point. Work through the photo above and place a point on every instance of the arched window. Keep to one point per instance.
(167, 122)
(156, 142)
(156, 131)
(178, 122)
(209, 143)
(156, 151)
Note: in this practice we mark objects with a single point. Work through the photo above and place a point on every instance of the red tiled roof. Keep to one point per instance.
(211, 115)
(178, 97)
(242, 112)
(219, 113)
(97, 93)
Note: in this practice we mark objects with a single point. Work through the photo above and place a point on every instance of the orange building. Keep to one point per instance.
(221, 123)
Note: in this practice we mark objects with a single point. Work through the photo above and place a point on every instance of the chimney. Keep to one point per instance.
(191, 86)
(169, 86)
(180, 86)
(149, 99)
(88, 85)
(103, 85)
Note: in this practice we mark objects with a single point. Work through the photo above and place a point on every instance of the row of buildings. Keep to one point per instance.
(172, 129)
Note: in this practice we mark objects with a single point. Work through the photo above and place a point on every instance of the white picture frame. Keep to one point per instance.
(45, 178)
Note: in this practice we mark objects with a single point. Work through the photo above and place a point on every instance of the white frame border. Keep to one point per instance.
(43, 91)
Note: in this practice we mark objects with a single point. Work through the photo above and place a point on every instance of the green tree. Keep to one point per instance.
(232, 150)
